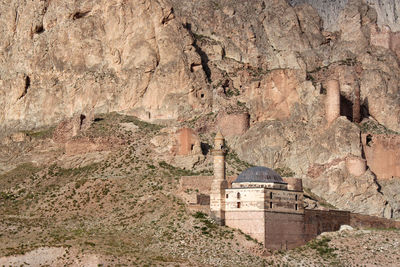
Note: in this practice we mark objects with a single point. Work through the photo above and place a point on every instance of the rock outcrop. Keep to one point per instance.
(388, 11)
(65, 57)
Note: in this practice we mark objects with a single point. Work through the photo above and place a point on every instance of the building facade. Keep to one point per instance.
(260, 203)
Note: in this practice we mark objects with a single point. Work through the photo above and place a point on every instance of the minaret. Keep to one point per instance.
(219, 184)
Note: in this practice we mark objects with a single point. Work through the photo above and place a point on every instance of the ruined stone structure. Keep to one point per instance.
(382, 154)
(386, 38)
(332, 102)
(187, 142)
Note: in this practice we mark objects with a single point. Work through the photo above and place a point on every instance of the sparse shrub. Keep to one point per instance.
(322, 247)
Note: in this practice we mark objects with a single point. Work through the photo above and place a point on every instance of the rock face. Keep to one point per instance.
(64, 57)
(388, 11)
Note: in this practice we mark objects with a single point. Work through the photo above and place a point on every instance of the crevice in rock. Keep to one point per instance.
(169, 17)
(81, 120)
(39, 29)
(362, 148)
(79, 15)
(364, 110)
(200, 52)
(27, 85)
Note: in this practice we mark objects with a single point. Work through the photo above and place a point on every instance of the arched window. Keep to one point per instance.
(238, 195)
(238, 205)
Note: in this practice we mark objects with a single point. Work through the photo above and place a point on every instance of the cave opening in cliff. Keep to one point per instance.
(364, 109)
(205, 148)
(346, 108)
(203, 56)
(39, 29)
(79, 15)
(368, 140)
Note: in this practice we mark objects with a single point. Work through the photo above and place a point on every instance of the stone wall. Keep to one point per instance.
(201, 183)
(283, 230)
(319, 221)
(366, 221)
(294, 184)
(332, 101)
(245, 211)
(382, 154)
(186, 142)
(249, 222)
(386, 38)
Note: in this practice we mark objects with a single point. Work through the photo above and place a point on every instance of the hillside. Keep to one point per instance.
(120, 206)
(105, 104)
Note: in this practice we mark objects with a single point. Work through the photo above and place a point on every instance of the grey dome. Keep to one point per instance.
(259, 175)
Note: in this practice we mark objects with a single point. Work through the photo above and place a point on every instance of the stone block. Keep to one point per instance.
(383, 155)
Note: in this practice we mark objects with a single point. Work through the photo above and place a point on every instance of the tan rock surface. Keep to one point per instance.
(65, 57)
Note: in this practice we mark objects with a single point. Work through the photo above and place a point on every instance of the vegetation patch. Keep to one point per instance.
(285, 172)
(321, 245)
(42, 133)
(375, 128)
(17, 175)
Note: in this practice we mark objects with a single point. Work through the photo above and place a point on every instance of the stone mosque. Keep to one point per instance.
(259, 203)
(266, 206)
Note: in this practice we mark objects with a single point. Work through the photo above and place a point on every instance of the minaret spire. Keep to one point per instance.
(219, 184)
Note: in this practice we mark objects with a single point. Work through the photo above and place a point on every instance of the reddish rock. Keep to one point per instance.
(86, 145)
(383, 155)
(273, 97)
(233, 124)
(186, 142)
(71, 127)
(380, 37)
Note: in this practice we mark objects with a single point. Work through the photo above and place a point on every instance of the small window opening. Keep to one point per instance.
(296, 207)
(295, 197)
(226, 196)
(270, 205)
(202, 95)
(238, 195)
(270, 195)
(192, 147)
(238, 205)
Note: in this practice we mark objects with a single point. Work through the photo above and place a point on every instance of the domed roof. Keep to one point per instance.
(259, 175)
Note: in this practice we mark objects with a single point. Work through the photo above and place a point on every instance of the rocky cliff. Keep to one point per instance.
(388, 11)
(65, 57)
(196, 63)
